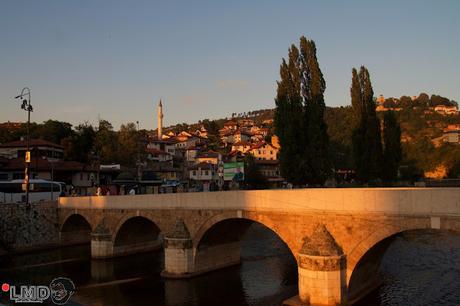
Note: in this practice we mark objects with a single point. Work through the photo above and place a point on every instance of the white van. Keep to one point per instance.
(40, 190)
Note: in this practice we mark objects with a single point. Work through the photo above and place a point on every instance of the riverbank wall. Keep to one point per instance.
(25, 228)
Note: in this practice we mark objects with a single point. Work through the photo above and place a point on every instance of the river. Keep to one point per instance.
(417, 269)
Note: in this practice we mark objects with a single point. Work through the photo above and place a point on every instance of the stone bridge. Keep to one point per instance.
(338, 236)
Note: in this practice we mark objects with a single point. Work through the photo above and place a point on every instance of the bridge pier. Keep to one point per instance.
(179, 259)
(322, 271)
(101, 242)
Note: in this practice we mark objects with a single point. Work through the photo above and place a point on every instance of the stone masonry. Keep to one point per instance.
(331, 232)
(23, 228)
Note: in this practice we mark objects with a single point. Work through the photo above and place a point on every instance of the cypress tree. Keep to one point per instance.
(359, 128)
(373, 138)
(289, 120)
(392, 153)
(316, 140)
(367, 142)
(299, 122)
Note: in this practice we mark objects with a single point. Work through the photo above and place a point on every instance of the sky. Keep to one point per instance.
(84, 60)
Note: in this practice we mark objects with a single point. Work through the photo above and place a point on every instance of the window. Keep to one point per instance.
(206, 172)
(3, 176)
(87, 176)
(194, 172)
(81, 176)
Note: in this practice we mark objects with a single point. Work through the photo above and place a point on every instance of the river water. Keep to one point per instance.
(417, 269)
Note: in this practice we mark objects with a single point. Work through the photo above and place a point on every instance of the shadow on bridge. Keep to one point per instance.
(75, 230)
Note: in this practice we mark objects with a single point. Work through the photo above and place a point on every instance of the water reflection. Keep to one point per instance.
(419, 268)
(266, 276)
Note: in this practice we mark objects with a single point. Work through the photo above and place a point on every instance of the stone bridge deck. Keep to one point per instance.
(338, 236)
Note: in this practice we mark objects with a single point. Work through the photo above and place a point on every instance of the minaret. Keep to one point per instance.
(160, 120)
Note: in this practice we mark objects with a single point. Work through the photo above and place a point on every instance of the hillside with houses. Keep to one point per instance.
(212, 154)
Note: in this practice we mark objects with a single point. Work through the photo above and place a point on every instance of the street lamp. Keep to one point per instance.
(27, 106)
(139, 174)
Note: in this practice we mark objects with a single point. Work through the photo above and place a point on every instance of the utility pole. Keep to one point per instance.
(27, 106)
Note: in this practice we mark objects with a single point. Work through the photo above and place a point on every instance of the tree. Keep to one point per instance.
(105, 143)
(55, 131)
(79, 145)
(128, 144)
(366, 138)
(313, 86)
(423, 100)
(289, 119)
(299, 117)
(392, 153)
(406, 102)
(253, 178)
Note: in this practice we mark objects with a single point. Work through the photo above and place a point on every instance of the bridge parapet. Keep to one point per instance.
(408, 201)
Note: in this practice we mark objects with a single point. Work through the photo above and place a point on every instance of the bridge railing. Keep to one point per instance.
(347, 200)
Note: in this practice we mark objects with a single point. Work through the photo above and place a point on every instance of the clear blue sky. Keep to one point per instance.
(207, 59)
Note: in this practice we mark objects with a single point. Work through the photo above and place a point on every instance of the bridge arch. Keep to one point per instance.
(216, 219)
(217, 243)
(135, 234)
(364, 261)
(76, 229)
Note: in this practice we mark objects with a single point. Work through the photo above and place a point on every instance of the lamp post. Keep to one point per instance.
(27, 106)
(139, 174)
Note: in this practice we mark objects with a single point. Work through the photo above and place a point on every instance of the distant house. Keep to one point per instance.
(154, 154)
(270, 169)
(451, 133)
(210, 157)
(39, 148)
(46, 163)
(241, 146)
(446, 110)
(167, 146)
(241, 136)
(231, 125)
(203, 174)
(202, 132)
(74, 173)
(191, 153)
(264, 151)
(185, 143)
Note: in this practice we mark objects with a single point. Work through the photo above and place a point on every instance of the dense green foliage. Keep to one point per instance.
(299, 117)
(366, 138)
(253, 178)
(392, 152)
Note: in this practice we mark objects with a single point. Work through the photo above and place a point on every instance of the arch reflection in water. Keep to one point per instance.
(419, 267)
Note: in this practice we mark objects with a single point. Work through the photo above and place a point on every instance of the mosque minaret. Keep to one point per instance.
(160, 120)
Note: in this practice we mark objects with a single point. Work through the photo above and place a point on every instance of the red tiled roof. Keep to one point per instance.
(33, 143)
(242, 143)
(44, 164)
